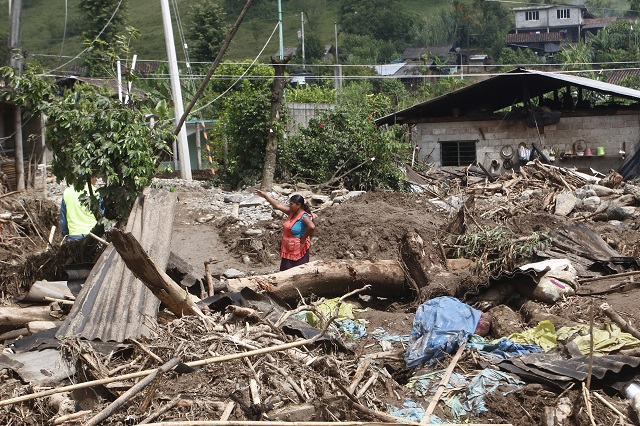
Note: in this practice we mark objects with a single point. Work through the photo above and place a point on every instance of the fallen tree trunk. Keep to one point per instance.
(19, 317)
(163, 287)
(330, 279)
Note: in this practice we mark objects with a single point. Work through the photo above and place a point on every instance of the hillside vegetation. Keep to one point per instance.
(46, 32)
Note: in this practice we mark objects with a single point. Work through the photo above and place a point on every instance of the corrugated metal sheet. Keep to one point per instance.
(617, 76)
(113, 305)
(592, 23)
(500, 92)
(534, 38)
(609, 370)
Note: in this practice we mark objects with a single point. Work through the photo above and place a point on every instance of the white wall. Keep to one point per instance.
(608, 131)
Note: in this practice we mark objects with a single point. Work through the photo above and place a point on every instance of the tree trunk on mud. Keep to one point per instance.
(330, 279)
(272, 141)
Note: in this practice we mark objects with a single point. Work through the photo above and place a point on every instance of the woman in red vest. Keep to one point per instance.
(296, 230)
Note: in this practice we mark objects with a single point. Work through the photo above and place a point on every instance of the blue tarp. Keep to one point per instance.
(503, 348)
(440, 326)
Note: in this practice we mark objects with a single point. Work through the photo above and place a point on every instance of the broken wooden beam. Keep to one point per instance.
(177, 300)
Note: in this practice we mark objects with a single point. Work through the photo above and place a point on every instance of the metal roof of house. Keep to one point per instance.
(389, 69)
(418, 52)
(500, 92)
(592, 23)
(549, 6)
(534, 38)
(617, 76)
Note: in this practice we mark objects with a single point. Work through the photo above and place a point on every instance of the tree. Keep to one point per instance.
(344, 146)
(313, 48)
(206, 30)
(387, 20)
(92, 133)
(102, 21)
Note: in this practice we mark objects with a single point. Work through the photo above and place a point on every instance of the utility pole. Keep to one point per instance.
(15, 62)
(280, 30)
(183, 147)
(338, 71)
(302, 33)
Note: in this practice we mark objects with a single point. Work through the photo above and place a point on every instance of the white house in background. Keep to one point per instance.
(565, 19)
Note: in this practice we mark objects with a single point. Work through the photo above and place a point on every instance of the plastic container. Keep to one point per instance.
(587, 152)
(600, 151)
(630, 390)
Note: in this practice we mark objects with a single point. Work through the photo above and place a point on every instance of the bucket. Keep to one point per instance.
(600, 151)
(587, 152)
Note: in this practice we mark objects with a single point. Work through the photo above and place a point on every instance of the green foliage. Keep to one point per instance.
(206, 30)
(102, 56)
(94, 134)
(313, 48)
(344, 146)
(244, 115)
(30, 90)
(311, 93)
(496, 249)
(100, 30)
(444, 84)
(387, 21)
(99, 19)
(577, 57)
(519, 57)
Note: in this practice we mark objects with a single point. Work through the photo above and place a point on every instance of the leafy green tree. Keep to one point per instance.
(577, 57)
(344, 146)
(519, 57)
(313, 48)
(600, 8)
(30, 91)
(388, 20)
(617, 42)
(92, 133)
(206, 30)
(102, 21)
(311, 93)
(242, 107)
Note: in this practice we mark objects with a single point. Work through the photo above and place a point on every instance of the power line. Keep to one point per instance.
(94, 40)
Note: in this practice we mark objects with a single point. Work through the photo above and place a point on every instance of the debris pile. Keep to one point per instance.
(475, 299)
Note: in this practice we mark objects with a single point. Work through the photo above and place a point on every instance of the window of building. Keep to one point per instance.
(533, 15)
(457, 153)
(563, 13)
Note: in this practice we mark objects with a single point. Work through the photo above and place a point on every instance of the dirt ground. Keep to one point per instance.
(368, 227)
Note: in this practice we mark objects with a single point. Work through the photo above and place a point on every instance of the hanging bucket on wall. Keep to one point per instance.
(600, 151)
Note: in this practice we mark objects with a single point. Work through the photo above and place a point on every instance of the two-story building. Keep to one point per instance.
(567, 20)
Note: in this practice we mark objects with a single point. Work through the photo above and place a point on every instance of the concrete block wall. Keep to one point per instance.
(608, 131)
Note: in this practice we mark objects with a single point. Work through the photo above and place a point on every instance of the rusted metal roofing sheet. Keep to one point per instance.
(114, 305)
(534, 37)
(500, 92)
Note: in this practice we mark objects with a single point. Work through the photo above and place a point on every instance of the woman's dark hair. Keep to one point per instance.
(299, 199)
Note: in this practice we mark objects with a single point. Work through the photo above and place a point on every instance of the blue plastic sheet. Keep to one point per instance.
(440, 326)
(503, 348)
(487, 382)
(413, 411)
(382, 334)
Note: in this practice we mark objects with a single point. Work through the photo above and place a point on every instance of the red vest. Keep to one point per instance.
(290, 248)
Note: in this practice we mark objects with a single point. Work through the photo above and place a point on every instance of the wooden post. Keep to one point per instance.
(15, 62)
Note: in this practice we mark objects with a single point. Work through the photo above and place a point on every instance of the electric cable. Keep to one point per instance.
(91, 44)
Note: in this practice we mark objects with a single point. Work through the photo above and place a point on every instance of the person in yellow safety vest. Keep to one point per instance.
(76, 221)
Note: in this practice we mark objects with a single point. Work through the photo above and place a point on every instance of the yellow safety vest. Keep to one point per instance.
(80, 220)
